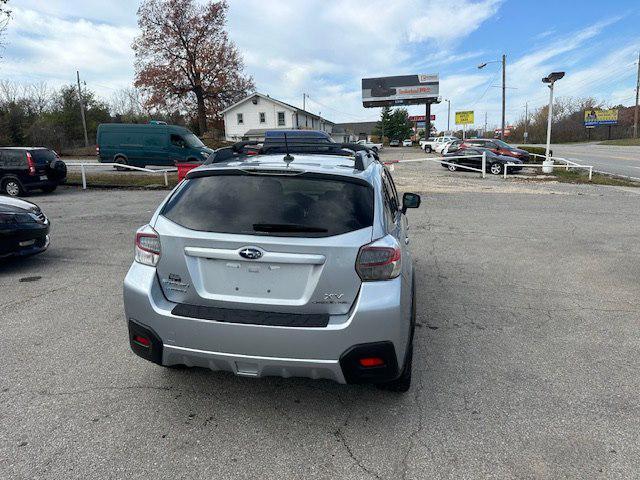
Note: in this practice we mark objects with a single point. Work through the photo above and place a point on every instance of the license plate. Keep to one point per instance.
(43, 177)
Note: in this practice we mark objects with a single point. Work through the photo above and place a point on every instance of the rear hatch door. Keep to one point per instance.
(279, 243)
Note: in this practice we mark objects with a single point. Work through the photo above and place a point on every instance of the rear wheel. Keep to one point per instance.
(452, 168)
(403, 382)
(496, 168)
(121, 161)
(12, 187)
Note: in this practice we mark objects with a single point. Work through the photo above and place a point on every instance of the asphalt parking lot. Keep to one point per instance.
(526, 365)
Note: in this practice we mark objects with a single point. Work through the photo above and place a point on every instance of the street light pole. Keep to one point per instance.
(550, 79)
(549, 120)
(504, 89)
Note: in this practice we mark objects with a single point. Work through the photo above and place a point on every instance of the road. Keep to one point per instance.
(526, 362)
(605, 158)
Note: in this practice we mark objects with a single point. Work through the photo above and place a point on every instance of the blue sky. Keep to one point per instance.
(324, 48)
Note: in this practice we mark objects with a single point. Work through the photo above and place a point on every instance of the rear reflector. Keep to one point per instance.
(145, 342)
(371, 362)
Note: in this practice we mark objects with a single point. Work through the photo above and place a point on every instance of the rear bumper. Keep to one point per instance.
(258, 350)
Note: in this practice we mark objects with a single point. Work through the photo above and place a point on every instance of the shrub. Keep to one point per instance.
(536, 150)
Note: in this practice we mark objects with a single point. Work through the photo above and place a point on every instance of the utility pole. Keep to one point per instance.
(504, 94)
(635, 113)
(304, 101)
(84, 122)
(525, 137)
(448, 116)
(484, 133)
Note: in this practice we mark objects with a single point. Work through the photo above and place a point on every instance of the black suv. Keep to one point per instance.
(23, 169)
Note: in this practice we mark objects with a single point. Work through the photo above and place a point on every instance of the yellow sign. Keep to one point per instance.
(464, 118)
(594, 117)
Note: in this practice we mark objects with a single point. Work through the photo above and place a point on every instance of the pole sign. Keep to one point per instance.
(464, 118)
(420, 118)
(594, 117)
(400, 90)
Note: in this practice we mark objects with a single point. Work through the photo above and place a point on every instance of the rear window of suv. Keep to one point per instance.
(304, 205)
(42, 157)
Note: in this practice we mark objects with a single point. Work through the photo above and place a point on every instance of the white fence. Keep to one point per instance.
(566, 164)
(482, 170)
(84, 165)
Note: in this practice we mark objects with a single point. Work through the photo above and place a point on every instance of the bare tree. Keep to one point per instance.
(5, 15)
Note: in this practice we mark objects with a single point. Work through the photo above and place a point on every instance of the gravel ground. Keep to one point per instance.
(526, 364)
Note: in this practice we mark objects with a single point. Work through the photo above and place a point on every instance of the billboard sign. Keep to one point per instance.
(464, 118)
(400, 90)
(594, 117)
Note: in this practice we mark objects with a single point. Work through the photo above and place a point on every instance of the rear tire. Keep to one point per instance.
(12, 187)
(403, 382)
(452, 168)
(121, 161)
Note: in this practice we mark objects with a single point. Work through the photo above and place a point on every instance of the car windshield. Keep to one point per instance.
(193, 141)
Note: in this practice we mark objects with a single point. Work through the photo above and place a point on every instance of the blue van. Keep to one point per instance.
(139, 145)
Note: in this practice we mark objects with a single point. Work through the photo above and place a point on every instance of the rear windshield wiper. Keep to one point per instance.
(286, 227)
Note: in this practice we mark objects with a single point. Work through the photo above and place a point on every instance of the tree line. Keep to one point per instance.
(187, 71)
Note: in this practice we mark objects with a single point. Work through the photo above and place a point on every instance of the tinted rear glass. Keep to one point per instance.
(302, 206)
(42, 157)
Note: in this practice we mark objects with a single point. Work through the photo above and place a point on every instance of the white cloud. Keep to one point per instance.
(446, 20)
(41, 47)
(295, 47)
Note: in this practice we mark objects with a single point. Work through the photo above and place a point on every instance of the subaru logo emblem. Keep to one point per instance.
(250, 253)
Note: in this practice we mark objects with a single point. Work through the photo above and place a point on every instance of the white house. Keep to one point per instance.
(249, 118)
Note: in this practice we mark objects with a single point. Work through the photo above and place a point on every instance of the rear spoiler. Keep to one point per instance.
(364, 156)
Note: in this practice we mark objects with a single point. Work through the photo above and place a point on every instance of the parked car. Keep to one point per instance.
(430, 146)
(472, 157)
(499, 147)
(249, 268)
(24, 169)
(148, 144)
(424, 141)
(394, 143)
(373, 146)
(24, 229)
(453, 146)
(407, 142)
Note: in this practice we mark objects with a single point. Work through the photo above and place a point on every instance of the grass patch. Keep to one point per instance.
(624, 142)
(122, 180)
(574, 176)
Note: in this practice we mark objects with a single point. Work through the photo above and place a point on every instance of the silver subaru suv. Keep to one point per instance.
(279, 260)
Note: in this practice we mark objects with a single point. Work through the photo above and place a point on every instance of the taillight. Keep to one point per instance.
(147, 249)
(97, 150)
(379, 262)
(31, 164)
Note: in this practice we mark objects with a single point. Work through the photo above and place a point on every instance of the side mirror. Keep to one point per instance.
(410, 200)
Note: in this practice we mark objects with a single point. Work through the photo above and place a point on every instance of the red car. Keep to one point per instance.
(498, 147)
